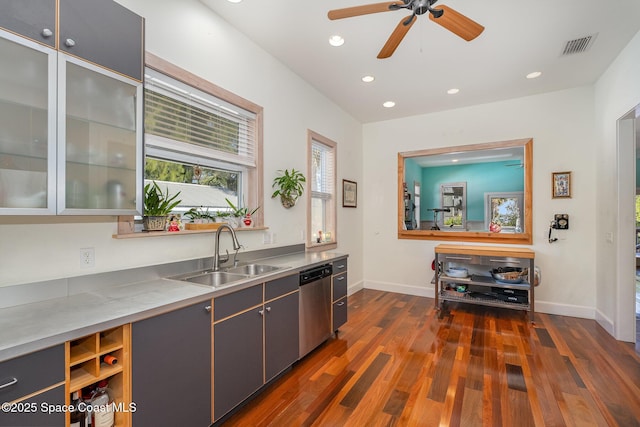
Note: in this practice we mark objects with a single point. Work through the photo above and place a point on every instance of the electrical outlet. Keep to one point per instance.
(87, 257)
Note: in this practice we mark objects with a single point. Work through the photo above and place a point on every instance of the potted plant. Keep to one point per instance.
(200, 215)
(289, 187)
(242, 216)
(157, 206)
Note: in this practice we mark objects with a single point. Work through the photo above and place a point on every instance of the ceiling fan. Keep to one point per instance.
(450, 19)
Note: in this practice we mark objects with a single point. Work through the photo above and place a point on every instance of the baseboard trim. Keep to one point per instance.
(541, 306)
(606, 323)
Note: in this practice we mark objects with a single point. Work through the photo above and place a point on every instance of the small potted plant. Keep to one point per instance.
(290, 186)
(241, 216)
(157, 206)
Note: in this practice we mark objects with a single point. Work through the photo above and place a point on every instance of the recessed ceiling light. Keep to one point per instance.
(389, 104)
(534, 75)
(368, 79)
(453, 91)
(454, 160)
(234, 1)
(336, 40)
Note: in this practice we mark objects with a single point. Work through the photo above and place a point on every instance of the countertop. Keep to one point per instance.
(30, 327)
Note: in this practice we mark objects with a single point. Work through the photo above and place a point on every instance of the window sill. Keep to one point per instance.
(322, 246)
(144, 234)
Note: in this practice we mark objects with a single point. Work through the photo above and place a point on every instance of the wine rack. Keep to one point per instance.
(84, 366)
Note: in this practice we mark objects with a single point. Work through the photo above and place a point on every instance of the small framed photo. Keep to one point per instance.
(349, 194)
(561, 185)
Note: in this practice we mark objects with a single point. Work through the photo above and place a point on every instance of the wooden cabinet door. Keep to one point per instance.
(237, 371)
(281, 334)
(171, 368)
(34, 19)
(104, 33)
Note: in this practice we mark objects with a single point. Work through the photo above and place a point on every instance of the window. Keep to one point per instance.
(505, 210)
(321, 210)
(201, 140)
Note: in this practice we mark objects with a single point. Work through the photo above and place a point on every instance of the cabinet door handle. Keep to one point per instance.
(208, 309)
(11, 382)
(340, 304)
(70, 42)
(463, 258)
(504, 260)
(268, 309)
(341, 278)
(46, 33)
(261, 312)
(340, 266)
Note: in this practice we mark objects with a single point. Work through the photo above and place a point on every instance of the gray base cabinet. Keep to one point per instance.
(281, 334)
(237, 360)
(29, 413)
(339, 294)
(255, 338)
(171, 368)
(28, 375)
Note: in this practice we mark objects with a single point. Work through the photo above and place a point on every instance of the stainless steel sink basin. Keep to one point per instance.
(253, 269)
(214, 278)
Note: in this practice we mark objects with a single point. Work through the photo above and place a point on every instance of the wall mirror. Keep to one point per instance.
(473, 193)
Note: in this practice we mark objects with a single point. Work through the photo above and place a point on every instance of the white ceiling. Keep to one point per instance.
(520, 36)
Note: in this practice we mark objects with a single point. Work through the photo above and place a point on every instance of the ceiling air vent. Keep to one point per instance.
(578, 45)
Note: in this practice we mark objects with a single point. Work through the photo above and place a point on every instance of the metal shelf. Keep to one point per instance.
(492, 302)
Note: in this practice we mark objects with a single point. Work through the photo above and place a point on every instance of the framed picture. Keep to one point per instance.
(561, 185)
(349, 194)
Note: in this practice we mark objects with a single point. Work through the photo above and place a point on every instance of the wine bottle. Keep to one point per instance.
(109, 359)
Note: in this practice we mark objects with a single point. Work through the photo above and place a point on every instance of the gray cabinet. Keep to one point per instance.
(281, 324)
(104, 33)
(34, 19)
(28, 412)
(237, 359)
(339, 294)
(255, 337)
(237, 348)
(28, 381)
(171, 368)
(99, 31)
(70, 130)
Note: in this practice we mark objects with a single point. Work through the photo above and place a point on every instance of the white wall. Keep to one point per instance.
(562, 127)
(191, 36)
(616, 93)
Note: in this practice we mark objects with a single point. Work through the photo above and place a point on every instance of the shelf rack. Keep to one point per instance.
(84, 367)
(483, 258)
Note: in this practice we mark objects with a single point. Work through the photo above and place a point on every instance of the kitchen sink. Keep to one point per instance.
(229, 275)
(253, 269)
(213, 278)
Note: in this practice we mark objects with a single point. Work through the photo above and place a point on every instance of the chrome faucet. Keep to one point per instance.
(236, 247)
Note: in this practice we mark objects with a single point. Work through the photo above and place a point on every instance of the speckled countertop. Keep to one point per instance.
(31, 327)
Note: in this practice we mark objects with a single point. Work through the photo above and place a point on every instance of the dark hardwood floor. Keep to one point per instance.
(397, 362)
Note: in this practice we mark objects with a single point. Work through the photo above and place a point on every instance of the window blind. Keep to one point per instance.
(176, 111)
(322, 163)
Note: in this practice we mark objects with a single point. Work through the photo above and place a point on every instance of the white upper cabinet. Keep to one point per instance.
(70, 128)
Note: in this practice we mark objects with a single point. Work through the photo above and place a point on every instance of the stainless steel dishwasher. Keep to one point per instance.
(315, 307)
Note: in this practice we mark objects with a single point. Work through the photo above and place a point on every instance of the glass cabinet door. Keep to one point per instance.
(100, 140)
(27, 127)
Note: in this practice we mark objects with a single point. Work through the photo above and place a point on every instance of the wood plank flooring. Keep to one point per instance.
(397, 362)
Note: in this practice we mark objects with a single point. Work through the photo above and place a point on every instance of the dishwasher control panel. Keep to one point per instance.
(315, 273)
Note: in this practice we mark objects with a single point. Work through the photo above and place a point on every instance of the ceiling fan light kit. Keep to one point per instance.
(446, 17)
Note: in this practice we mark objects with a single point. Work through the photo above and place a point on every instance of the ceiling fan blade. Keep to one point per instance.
(396, 37)
(457, 23)
(366, 9)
